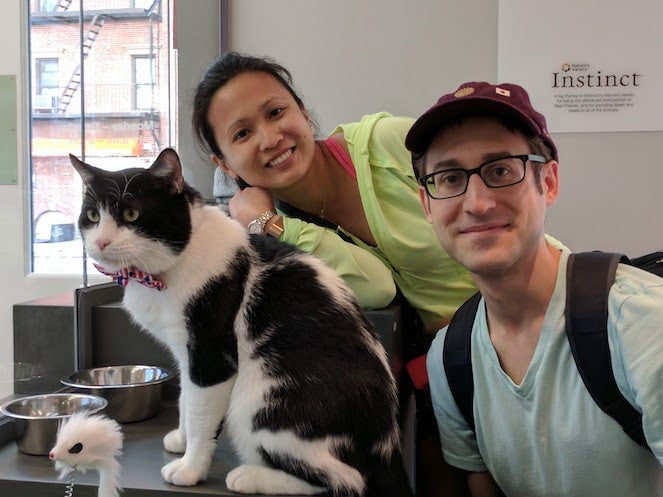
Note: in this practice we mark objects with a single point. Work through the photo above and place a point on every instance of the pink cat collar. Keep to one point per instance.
(123, 276)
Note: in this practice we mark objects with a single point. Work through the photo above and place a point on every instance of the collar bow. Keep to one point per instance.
(123, 276)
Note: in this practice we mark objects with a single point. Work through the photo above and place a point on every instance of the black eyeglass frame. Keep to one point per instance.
(424, 180)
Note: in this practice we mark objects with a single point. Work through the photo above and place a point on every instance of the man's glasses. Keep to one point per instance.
(496, 173)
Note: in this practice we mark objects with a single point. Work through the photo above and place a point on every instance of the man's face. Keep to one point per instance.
(488, 230)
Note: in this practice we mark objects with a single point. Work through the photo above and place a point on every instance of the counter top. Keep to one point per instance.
(48, 333)
(23, 475)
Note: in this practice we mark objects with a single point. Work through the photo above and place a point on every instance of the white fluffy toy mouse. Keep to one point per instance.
(85, 442)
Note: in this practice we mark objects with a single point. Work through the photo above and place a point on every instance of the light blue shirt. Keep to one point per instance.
(547, 436)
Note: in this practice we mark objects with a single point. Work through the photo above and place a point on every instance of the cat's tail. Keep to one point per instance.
(389, 480)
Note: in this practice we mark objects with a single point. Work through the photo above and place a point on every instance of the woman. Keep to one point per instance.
(353, 198)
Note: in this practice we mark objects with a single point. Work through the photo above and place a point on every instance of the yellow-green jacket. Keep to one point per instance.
(407, 250)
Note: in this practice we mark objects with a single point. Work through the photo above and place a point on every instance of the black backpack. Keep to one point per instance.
(589, 278)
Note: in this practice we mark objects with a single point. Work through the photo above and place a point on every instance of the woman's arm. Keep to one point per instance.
(366, 275)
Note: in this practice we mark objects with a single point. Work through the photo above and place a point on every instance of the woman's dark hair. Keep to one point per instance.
(220, 72)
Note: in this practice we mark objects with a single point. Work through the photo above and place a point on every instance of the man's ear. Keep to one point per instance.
(550, 182)
(221, 164)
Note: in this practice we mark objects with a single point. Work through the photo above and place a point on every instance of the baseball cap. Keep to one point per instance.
(506, 99)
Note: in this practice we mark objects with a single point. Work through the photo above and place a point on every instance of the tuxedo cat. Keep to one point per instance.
(269, 341)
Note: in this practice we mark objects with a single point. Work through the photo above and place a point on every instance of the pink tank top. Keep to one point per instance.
(341, 155)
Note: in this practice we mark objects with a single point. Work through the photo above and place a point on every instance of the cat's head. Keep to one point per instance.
(136, 217)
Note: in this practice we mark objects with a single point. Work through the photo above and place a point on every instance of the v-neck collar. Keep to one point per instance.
(548, 329)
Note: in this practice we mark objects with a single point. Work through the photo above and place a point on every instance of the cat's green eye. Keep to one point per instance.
(92, 215)
(130, 214)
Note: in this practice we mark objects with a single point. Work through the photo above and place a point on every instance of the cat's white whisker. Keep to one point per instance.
(92, 193)
(128, 182)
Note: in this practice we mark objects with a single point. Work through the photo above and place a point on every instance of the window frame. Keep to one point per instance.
(23, 284)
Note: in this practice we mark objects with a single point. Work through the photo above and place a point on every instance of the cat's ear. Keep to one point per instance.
(169, 167)
(84, 170)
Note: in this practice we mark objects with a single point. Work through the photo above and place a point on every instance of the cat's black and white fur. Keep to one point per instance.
(268, 340)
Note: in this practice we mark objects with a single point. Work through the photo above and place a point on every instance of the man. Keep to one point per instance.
(488, 172)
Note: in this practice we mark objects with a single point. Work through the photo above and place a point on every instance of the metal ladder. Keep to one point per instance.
(63, 5)
(75, 81)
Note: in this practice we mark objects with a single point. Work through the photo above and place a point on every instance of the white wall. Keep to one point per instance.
(354, 57)
(351, 57)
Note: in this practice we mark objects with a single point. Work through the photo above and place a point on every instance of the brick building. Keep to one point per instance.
(114, 60)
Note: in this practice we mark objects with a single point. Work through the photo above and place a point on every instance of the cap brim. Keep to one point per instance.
(427, 126)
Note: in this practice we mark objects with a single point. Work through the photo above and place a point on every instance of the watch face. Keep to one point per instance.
(255, 228)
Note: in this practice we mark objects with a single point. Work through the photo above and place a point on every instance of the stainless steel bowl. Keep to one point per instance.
(133, 392)
(37, 417)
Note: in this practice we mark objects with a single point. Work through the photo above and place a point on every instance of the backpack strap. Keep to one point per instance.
(589, 278)
(650, 262)
(457, 357)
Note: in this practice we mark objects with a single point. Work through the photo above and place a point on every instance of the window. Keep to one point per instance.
(143, 77)
(48, 5)
(47, 76)
(102, 124)
(94, 97)
(142, 4)
(45, 98)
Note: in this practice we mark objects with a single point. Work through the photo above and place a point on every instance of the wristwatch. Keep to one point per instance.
(273, 228)
(257, 226)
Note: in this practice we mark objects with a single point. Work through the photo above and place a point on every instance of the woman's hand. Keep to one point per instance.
(247, 204)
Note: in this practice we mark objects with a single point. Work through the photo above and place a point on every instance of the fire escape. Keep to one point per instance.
(63, 5)
(93, 30)
(75, 80)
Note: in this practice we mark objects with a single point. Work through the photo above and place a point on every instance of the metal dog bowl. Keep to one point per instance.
(133, 392)
(37, 417)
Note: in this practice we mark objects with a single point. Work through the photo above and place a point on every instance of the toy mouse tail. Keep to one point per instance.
(109, 480)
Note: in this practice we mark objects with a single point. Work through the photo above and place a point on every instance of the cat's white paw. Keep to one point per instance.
(175, 442)
(178, 473)
(243, 480)
(250, 479)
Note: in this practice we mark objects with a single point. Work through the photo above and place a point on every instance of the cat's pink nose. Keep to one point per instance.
(102, 244)
(51, 456)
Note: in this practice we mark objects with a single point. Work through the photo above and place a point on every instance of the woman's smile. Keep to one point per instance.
(281, 158)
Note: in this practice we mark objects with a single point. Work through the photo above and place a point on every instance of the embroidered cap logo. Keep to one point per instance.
(463, 92)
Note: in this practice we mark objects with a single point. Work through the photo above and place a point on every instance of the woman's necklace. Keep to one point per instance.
(322, 209)
(321, 213)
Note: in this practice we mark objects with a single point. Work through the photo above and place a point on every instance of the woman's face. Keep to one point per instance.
(264, 135)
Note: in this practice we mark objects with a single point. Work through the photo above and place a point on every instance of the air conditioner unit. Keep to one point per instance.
(45, 103)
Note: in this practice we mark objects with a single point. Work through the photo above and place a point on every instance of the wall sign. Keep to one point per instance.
(588, 66)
